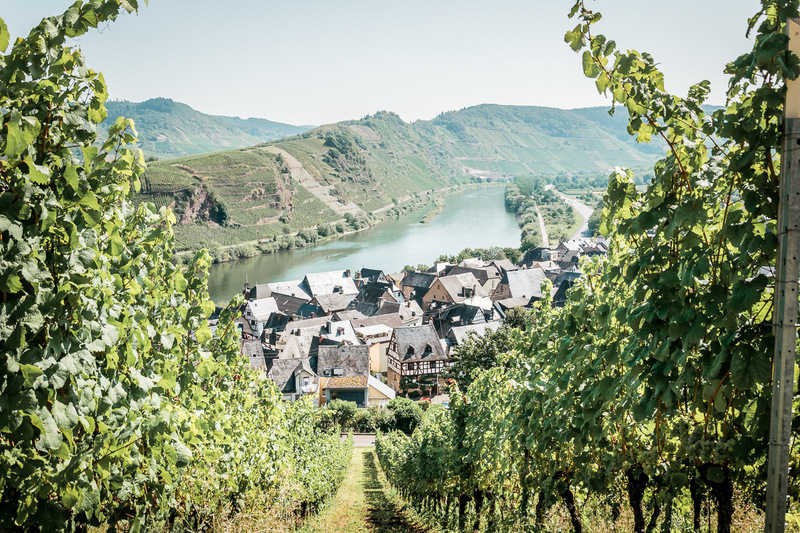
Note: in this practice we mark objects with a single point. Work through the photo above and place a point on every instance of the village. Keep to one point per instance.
(368, 336)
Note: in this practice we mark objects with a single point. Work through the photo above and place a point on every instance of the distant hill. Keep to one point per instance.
(170, 129)
(365, 165)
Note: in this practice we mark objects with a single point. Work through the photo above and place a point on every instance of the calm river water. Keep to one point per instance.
(475, 218)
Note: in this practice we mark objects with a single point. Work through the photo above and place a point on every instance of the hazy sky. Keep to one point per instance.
(322, 61)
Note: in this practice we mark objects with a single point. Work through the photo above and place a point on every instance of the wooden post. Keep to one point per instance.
(786, 301)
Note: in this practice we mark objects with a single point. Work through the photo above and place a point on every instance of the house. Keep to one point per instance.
(520, 284)
(503, 265)
(371, 275)
(333, 282)
(453, 289)
(502, 306)
(560, 296)
(445, 318)
(487, 276)
(416, 356)
(377, 338)
(305, 337)
(254, 350)
(329, 304)
(344, 374)
(258, 312)
(364, 391)
(459, 334)
(416, 284)
(294, 378)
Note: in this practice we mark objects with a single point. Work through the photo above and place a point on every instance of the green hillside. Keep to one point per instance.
(171, 129)
(354, 168)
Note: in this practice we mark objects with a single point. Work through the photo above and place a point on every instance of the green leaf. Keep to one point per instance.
(5, 36)
(749, 367)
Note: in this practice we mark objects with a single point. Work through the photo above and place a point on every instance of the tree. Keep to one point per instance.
(478, 353)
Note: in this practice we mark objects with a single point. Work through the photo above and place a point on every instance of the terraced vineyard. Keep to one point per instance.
(359, 167)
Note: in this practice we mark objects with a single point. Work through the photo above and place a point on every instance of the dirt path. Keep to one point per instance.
(302, 176)
(364, 503)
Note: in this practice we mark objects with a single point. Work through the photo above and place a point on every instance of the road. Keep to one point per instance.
(583, 210)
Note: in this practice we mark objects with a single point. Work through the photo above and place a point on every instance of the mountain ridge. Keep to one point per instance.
(375, 164)
(170, 129)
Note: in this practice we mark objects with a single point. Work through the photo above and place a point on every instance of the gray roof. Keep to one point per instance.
(253, 349)
(326, 283)
(505, 265)
(455, 285)
(353, 360)
(289, 304)
(419, 280)
(330, 303)
(460, 333)
(480, 273)
(525, 283)
(418, 343)
(283, 370)
(393, 320)
(262, 308)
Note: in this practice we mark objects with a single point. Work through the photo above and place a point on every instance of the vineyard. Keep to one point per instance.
(643, 404)
(120, 408)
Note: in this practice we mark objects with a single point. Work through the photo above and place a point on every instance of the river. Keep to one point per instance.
(475, 218)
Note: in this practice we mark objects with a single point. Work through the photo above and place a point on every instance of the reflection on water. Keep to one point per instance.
(472, 219)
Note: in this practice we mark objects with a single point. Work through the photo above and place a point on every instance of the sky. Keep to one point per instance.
(312, 62)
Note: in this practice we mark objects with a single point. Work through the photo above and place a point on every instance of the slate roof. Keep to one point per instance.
(371, 274)
(277, 322)
(362, 308)
(560, 296)
(283, 371)
(418, 343)
(455, 285)
(351, 382)
(326, 282)
(262, 308)
(255, 352)
(373, 291)
(309, 310)
(330, 303)
(392, 320)
(288, 304)
(524, 283)
(419, 280)
(444, 319)
(353, 360)
(460, 333)
(510, 303)
(504, 265)
(288, 288)
(259, 291)
(480, 273)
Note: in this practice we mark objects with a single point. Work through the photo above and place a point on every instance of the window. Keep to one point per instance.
(411, 366)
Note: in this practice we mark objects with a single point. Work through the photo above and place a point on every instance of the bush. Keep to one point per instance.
(342, 413)
(407, 414)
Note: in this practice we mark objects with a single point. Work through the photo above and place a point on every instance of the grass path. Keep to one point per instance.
(364, 503)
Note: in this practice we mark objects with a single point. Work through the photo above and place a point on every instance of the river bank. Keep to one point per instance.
(473, 218)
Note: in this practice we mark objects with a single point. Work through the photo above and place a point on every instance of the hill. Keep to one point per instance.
(353, 168)
(170, 129)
